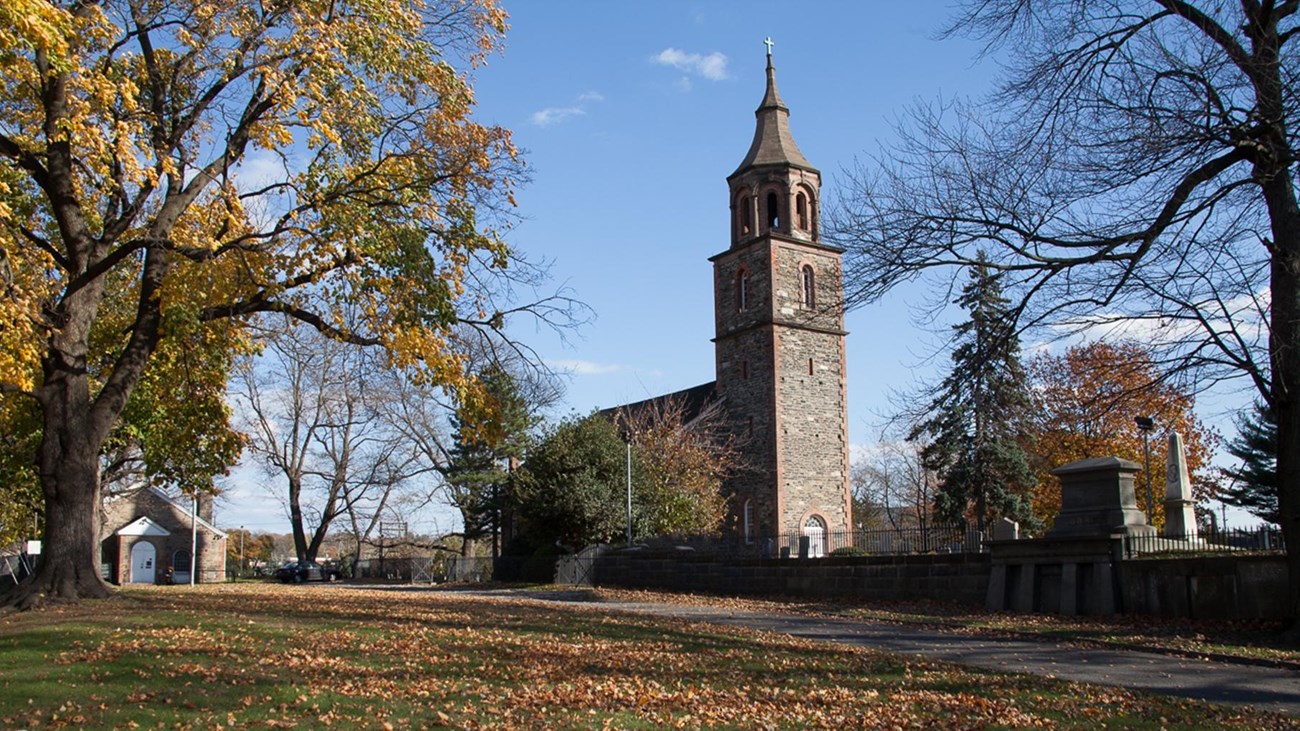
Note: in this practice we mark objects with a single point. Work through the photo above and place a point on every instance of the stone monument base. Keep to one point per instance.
(1056, 575)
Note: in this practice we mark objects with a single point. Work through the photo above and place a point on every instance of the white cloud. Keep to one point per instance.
(555, 115)
(586, 367)
(711, 66)
(259, 169)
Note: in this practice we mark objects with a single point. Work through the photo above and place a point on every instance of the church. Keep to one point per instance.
(779, 342)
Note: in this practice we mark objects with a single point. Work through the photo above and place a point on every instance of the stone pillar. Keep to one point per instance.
(1180, 511)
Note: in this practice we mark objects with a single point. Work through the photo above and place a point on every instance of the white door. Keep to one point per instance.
(815, 531)
(144, 563)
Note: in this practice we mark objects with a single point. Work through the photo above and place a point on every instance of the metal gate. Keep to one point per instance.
(578, 569)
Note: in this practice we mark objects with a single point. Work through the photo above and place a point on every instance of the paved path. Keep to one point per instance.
(1266, 688)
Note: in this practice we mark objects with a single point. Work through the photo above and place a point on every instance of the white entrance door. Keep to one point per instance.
(815, 531)
(144, 563)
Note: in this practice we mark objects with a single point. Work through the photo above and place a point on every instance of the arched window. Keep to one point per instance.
(742, 290)
(807, 287)
(814, 529)
(181, 567)
(801, 211)
(773, 212)
(744, 216)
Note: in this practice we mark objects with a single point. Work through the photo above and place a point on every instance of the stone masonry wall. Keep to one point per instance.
(953, 577)
(1198, 587)
(813, 438)
(211, 546)
(746, 382)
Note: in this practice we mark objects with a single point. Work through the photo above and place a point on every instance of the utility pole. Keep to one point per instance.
(194, 537)
(629, 490)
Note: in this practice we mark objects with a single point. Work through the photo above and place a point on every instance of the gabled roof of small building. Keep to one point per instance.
(160, 496)
(143, 526)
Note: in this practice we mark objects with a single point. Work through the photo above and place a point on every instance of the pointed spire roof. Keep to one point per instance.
(773, 144)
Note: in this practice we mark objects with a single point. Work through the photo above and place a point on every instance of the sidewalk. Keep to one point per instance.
(1265, 688)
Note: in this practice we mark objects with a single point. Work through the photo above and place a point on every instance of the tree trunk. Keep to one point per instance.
(1285, 347)
(68, 461)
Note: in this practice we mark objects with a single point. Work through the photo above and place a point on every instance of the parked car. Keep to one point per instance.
(299, 571)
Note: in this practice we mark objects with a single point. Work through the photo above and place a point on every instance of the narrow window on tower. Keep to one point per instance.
(808, 286)
(801, 211)
(810, 366)
(744, 370)
(749, 520)
(742, 290)
(773, 214)
(745, 216)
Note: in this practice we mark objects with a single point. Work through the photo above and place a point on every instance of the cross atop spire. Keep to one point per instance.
(768, 42)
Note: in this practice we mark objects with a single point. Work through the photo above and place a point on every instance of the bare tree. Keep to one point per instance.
(312, 410)
(684, 453)
(472, 467)
(1135, 171)
(893, 487)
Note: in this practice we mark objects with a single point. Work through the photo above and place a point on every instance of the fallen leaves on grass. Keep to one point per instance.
(310, 657)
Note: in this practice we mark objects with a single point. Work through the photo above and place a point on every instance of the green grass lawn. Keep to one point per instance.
(271, 656)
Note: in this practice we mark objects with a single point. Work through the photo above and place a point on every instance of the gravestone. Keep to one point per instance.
(1006, 529)
(1180, 512)
(1098, 499)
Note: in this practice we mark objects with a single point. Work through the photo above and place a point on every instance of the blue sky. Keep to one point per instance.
(631, 115)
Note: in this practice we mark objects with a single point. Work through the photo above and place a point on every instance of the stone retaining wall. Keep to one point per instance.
(1200, 587)
(1206, 587)
(956, 577)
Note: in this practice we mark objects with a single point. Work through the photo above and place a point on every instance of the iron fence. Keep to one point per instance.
(391, 569)
(1263, 539)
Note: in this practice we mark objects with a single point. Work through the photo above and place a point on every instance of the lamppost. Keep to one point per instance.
(1146, 425)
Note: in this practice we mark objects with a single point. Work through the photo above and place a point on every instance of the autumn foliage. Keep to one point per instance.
(170, 171)
(1085, 403)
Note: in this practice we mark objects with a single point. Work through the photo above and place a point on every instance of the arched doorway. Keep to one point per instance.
(144, 563)
(814, 529)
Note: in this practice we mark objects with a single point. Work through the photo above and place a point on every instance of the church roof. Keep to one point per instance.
(693, 401)
(773, 144)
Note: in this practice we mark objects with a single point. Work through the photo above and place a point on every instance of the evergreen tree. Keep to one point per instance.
(478, 466)
(1254, 483)
(573, 488)
(971, 430)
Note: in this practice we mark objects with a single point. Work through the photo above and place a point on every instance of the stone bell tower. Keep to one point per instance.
(779, 310)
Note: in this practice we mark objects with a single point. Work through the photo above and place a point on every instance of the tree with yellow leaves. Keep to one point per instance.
(206, 161)
(1085, 401)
